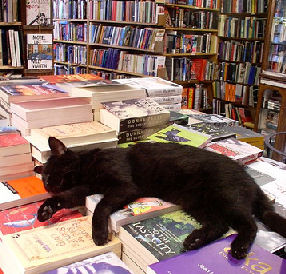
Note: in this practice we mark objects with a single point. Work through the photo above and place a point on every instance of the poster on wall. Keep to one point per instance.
(38, 12)
(40, 51)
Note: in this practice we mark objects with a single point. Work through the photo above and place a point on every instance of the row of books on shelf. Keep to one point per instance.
(239, 6)
(277, 61)
(213, 4)
(64, 9)
(69, 31)
(248, 27)
(73, 54)
(60, 69)
(187, 18)
(195, 97)
(9, 11)
(241, 51)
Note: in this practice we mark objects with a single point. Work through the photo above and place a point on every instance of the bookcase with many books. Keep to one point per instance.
(21, 22)
(241, 30)
(271, 106)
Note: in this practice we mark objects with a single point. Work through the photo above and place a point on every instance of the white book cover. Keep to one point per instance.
(38, 12)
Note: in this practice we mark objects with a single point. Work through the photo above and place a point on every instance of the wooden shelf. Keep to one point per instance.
(190, 29)
(124, 48)
(241, 39)
(118, 71)
(124, 23)
(234, 103)
(38, 27)
(10, 24)
(245, 14)
(190, 7)
(239, 62)
(71, 42)
(192, 82)
(70, 20)
(69, 64)
(237, 83)
(10, 67)
(196, 54)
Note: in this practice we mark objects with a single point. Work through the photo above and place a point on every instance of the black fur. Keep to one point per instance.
(212, 188)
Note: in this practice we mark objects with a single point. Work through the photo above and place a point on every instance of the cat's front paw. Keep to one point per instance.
(195, 240)
(47, 209)
(238, 251)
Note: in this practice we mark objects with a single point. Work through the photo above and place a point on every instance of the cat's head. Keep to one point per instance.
(62, 168)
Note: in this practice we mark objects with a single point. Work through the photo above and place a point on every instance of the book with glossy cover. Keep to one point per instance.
(21, 191)
(20, 93)
(195, 116)
(77, 133)
(106, 263)
(38, 12)
(142, 208)
(54, 79)
(12, 144)
(47, 248)
(180, 134)
(216, 258)
(236, 150)
(24, 217)
(133, 114)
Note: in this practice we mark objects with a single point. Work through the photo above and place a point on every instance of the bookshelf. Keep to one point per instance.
(271, 106)
(241, 30)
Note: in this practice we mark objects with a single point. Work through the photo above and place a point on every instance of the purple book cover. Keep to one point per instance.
(215, 258)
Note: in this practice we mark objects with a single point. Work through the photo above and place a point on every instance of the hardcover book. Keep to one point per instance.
(38, 12)
(40, 50)
(180, 134)
(24, 217)
(46, 248)
(133, 114)
(236, 150)
(157, 238)
(216, 258)
(140, 209)
(21, 191)
(74, 134)
(107, 263)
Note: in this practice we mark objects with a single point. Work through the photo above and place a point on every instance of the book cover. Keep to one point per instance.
(24, 217)
(215, 258)
(53, 79)
(180, 134)
(105, 263)
(75, 133)
(142, 208)
(161, 237)
(40, 50)
(236, 150)
(21, 191)
(38, 12)
(12, 139)
(211, 118)
(47, 248)
(133, 114)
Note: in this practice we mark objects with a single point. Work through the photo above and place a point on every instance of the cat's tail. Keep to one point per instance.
(264, 211)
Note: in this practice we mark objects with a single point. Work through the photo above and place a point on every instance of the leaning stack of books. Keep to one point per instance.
(15, 157)
(134, 119)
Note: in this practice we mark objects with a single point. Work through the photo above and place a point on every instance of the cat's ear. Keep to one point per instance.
(56, 146)
(38, 169)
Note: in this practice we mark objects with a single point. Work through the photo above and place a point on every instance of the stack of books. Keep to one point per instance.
(78, 136)
(15, 157)
(165, 93)
(134, 119)
(50, 112)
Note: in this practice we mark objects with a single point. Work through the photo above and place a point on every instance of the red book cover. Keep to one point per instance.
(13, 139)
(24, 217)
(70, 78)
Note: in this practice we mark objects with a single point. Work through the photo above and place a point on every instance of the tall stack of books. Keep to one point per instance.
(135, 119)
(15, 157)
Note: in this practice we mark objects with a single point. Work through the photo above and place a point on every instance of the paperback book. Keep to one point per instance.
(140, 209)
(38, 12)
(13, 144)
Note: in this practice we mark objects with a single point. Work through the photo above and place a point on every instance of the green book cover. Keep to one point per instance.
(163, 235)
(182, 135)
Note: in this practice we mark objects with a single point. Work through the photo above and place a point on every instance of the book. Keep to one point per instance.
(54, 79)
(8, 130)
(13, 144)
(24, 217)
(38, 12)
(217, 131)
(236, 150)
(215, 258)
(141, 209)
(180, 134)
(156, 238)
(40, 50)
(108, 262)
(74, 134)
(47, 248)
(133, 114)
(41, 151)
(4, 121)
(21, 191)
(15, 159)
(20, 93)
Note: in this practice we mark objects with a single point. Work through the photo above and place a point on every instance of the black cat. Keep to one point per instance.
(211, 187)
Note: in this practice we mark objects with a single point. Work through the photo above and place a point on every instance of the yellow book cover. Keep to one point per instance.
(46, 248)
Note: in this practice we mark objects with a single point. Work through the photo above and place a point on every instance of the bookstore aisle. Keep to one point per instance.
(105, 74)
